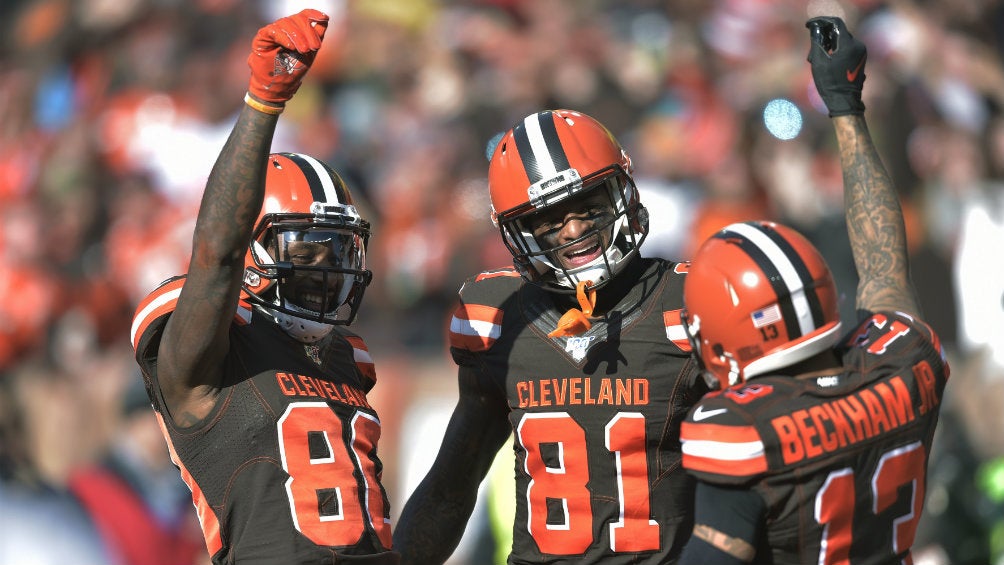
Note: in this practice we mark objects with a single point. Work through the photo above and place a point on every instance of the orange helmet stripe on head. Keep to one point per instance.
(319, 179)
(539, 147)
(784, 268)
(545, 151)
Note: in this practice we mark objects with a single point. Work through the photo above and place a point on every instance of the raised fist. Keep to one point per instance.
(282, 52)
(838, 65)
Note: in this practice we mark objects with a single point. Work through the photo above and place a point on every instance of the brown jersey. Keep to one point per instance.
(285, 468)
(595, 417)
(839, 460)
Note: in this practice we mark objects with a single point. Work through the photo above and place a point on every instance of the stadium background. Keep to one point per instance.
(112, 112)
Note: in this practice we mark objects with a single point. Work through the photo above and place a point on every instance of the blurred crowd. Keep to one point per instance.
(113, 111)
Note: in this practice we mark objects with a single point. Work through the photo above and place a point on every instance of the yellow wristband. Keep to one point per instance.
(263, 108)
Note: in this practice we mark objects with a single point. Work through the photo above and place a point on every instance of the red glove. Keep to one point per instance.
(282, 52)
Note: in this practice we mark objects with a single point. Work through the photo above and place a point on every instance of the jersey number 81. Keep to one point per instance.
(567, 483)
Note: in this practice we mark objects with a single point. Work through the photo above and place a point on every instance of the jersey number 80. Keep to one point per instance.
(322, 490)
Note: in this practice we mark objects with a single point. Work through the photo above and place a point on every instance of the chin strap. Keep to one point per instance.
(576, 321)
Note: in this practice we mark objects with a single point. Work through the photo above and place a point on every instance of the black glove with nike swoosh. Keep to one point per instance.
(838, 65)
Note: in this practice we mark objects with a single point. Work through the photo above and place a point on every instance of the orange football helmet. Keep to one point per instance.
(551, 156)
(306, 263)
(758, 297)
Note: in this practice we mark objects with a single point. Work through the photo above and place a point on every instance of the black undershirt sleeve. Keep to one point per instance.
(736, 512)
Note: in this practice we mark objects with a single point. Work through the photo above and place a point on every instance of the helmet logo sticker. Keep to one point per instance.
(251, 278)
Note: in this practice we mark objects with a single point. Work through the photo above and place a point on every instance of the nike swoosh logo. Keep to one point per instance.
(702, 414)
(853, 75)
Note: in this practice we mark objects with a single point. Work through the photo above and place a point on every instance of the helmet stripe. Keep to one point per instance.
(774, 277)
(785, 271)
(320, 179)
(539, 147)
(526, 154)
(815, 305)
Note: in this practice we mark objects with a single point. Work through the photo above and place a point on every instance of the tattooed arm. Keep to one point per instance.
(874, 222)
(871, 204)
(196, 337)
(727, 523)
(436, 514)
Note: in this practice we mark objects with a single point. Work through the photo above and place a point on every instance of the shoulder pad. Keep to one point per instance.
(674, 329)
(475, 327)
(881, 329)
(158, 304)
(892, 338)
(477, 320)
(361, 355)
(162, 301)
(495, 273)
(721, 443)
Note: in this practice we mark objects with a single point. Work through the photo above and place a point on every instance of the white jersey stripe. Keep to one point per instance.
(723, 450)
(475, 328)
(153, 305)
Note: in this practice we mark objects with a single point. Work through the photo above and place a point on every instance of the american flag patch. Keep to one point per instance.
(766, 316)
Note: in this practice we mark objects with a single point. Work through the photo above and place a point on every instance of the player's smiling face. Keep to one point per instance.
(307, 289)
(315, 289)
(589, 216)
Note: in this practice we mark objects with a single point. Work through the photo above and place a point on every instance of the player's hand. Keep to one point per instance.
(838, 65)
(282, 52)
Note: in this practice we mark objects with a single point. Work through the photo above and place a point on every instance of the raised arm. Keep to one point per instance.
(874, 222)
(196, 338)
(436, 514)
(874, 216)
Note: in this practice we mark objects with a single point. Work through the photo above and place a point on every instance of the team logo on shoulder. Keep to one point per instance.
(578, 346)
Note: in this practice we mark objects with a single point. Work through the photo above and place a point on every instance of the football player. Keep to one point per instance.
(259, 386)
(815, 448)
(577, 351)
